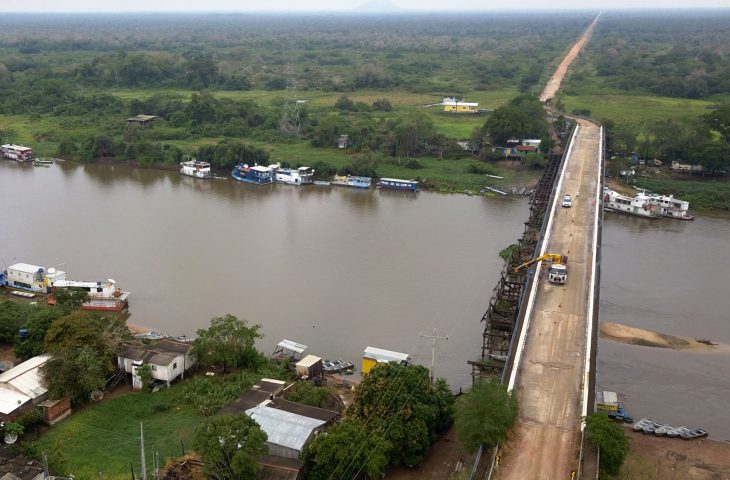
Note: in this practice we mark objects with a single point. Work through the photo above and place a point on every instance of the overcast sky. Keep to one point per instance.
(336, 5)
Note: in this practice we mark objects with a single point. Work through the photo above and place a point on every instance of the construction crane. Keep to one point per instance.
(558, 272)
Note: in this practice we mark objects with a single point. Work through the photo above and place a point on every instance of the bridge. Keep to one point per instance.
(541, 337)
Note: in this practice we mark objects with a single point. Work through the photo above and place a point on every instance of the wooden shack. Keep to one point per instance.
(310, 367)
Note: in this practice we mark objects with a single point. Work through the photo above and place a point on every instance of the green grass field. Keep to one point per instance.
(636, 110)
(105, 437)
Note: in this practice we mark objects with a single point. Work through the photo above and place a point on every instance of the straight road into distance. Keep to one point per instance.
(550, 376)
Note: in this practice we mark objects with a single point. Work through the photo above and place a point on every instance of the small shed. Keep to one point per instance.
(343, 141)
(287, 433)
(310, 367)
(55, 410)
(372, 356)
(141, 120)
(288, 349)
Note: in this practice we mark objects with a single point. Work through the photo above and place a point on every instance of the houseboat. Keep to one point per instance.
(31, 278)
(639, 205)
(196, 168)
(351, 181)
(646, 205)
(257, 174)
(294, 176)
(671, 207)
(16, 152)
(105, 296)
(398, 184)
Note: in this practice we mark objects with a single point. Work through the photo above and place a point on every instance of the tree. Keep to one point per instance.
(229, 341)
(399, 403)
(344, 103)
(81, 329)
(74, 374)
(610, 438)
(347, 450)
(37, 324)
(68, 299)
(523, 117)
(309, 394)
(145, 375)
(229, 446)
(12, 316)
(719, 120)
(484, 414)
(382, 104)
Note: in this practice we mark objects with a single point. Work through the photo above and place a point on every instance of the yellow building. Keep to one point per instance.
(372, 356)
(453, 105)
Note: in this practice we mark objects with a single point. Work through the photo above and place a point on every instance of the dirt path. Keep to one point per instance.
(554, 83)
(655, 458)
(443, 461)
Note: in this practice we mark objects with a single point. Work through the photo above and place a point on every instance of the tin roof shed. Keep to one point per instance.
(284, 428)
(26, 378)
(380, 355)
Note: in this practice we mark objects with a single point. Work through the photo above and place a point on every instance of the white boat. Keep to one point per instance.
(291, 176)
(196, 168)
(639, 205)
(101, 295)
(671, 207)
(351, 181)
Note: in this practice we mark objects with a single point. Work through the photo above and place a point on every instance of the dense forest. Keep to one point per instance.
(230, 88)
(673, 54)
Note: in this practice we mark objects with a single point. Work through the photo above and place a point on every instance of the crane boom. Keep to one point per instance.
(553, 257)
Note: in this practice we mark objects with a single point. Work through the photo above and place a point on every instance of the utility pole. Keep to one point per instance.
(141, 452)
(433, 352)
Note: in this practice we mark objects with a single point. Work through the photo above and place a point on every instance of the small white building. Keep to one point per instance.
(22, 386)
(169, 360)
(532, 142)
(32, 277)
(286, 432)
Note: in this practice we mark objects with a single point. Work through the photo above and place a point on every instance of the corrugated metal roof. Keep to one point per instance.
(284, 428)
(293, 346)
(381, 355)
(26, 378)
(10, 400)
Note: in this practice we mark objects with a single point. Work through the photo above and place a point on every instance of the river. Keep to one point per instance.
(334, 268)
(340, 269)
(670, 276)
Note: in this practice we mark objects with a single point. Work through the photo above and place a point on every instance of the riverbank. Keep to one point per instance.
(661, 458)
(464, 175)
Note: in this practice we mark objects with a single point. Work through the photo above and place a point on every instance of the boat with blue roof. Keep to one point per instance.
(352, 181)
(257, 174)
(398, 184)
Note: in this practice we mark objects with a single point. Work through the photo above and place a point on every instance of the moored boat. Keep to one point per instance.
(398, 184)
(641, 424)
(104, 296)
(322, 183)
(19, 153)
(338, 366)
(293, 176)
(196, 168)
(638, 205)
(257, 174)
(352, 181)
(693, 433)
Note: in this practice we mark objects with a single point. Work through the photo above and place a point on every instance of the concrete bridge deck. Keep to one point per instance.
(552, 369)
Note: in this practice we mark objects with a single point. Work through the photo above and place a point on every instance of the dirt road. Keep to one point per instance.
(551, 372)
(554, 83)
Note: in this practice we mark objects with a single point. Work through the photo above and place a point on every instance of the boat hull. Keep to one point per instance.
(256, 180)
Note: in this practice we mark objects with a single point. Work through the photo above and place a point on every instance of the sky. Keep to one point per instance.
(337, 5)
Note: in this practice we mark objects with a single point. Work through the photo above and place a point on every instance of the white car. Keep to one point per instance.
(567, 201)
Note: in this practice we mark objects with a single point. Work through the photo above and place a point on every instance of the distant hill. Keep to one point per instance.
(379, 6)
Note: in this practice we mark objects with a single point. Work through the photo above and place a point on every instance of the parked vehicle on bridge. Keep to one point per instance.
(567, 201)
(558, 271)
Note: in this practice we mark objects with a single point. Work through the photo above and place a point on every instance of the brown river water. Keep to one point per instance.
(334, 268)
(673, 277)
(340, 269)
